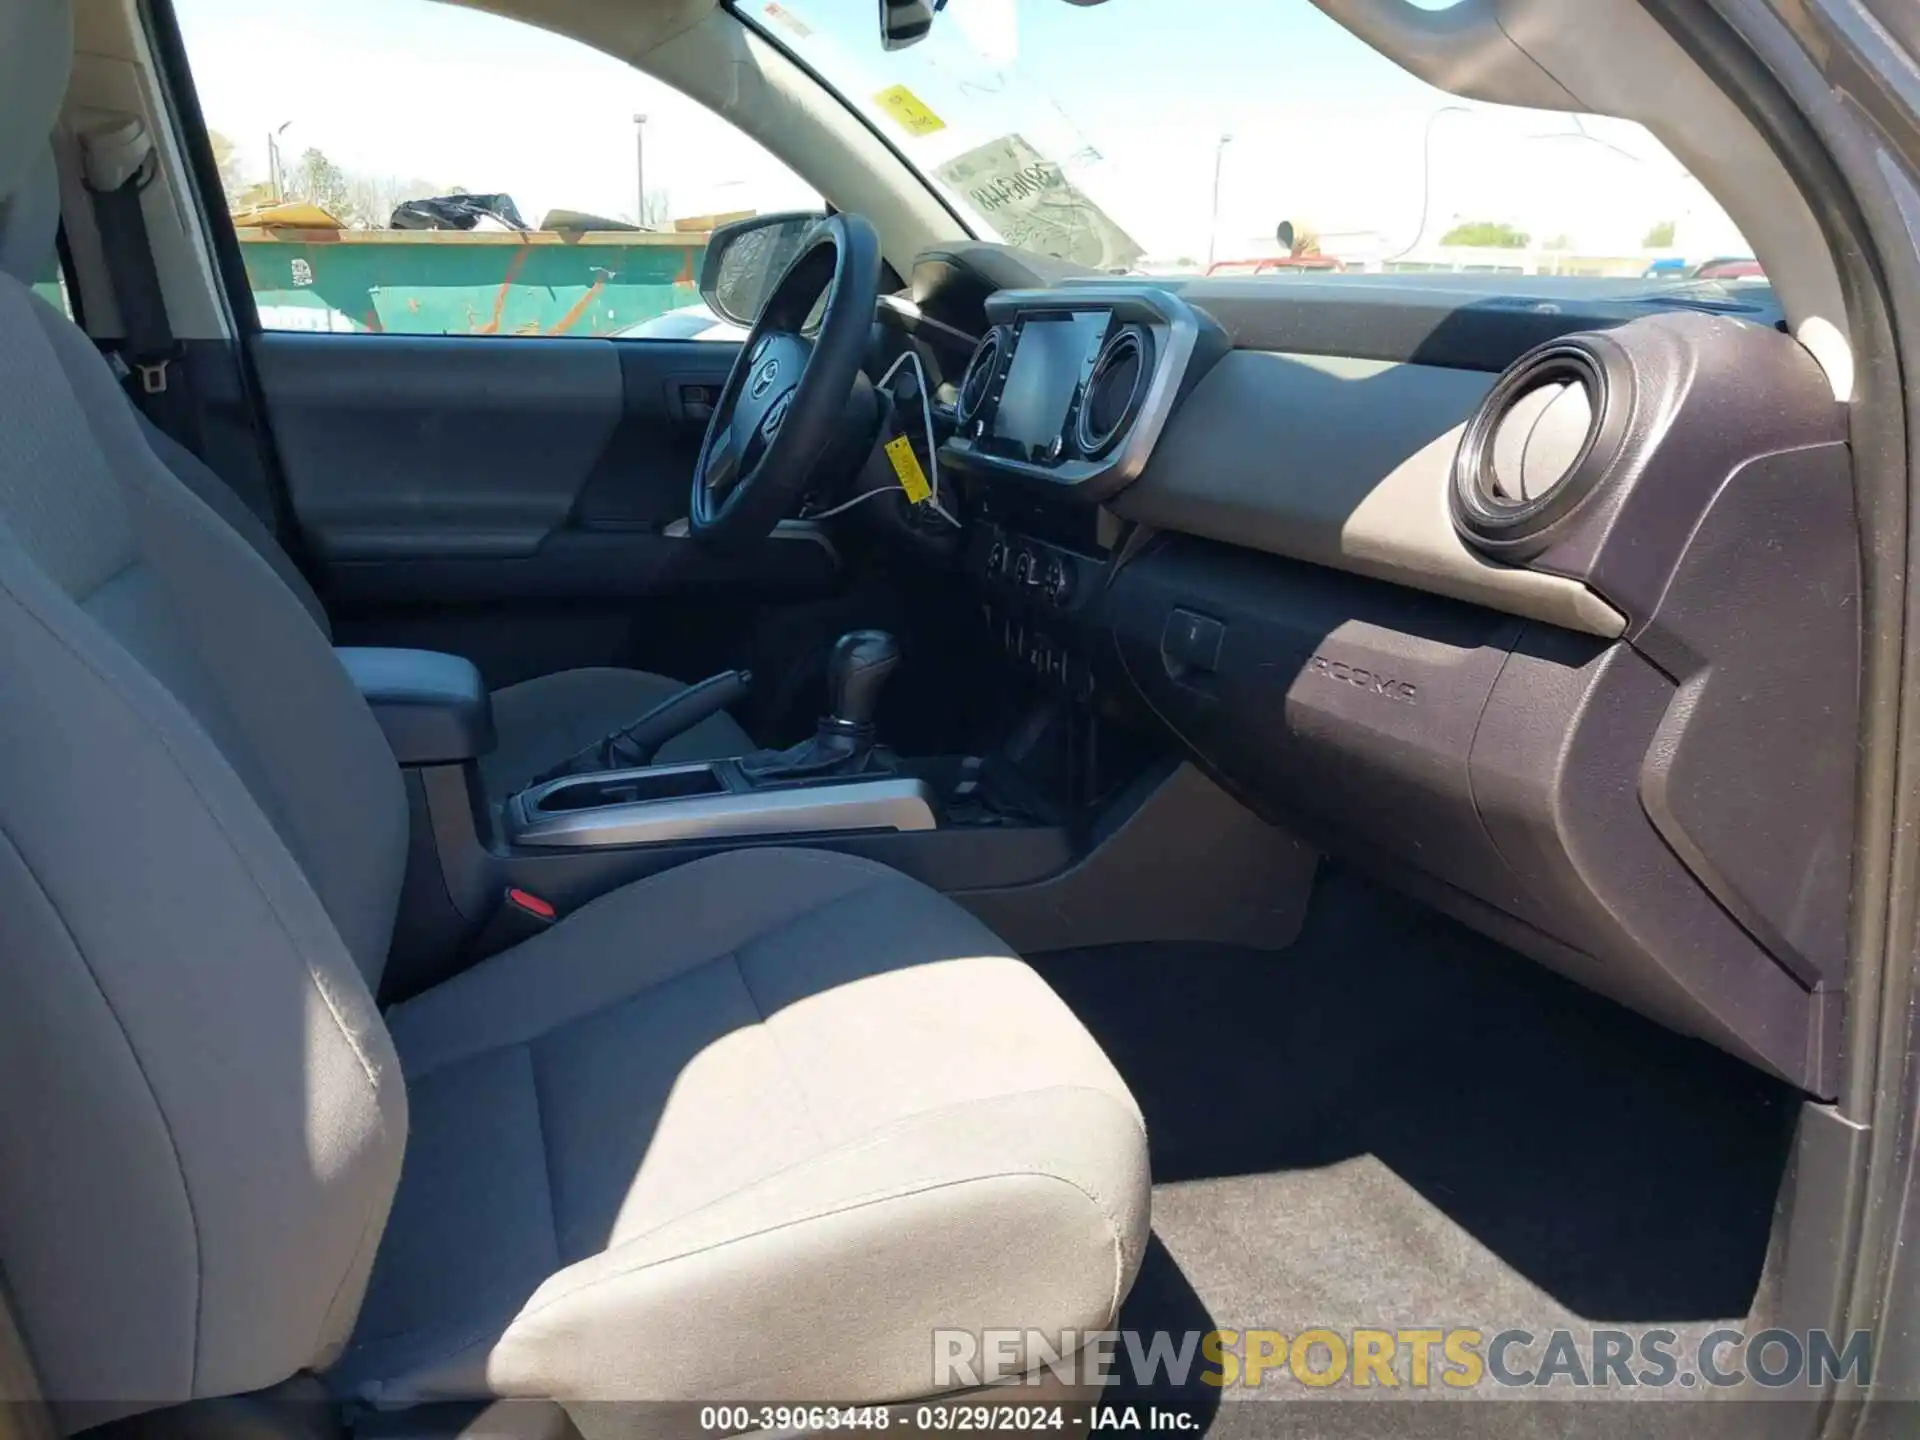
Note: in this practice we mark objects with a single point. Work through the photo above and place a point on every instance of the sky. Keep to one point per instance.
(1133, 97)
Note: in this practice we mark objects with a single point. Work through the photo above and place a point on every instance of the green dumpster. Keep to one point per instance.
(467, 282)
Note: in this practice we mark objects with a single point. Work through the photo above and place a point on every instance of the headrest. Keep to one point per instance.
(36, 53)
(30, 222)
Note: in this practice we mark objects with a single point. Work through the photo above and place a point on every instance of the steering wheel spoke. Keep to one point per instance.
(788, 391)
(720, 467)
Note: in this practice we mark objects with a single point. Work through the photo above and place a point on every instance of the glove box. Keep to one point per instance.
(1538, 776)
(1321, 695)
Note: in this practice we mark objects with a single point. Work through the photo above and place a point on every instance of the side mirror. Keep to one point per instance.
(745, 258)
(904, 22)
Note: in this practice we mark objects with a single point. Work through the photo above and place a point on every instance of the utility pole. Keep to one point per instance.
(640, 169)
(1213, 222)
(276, 163)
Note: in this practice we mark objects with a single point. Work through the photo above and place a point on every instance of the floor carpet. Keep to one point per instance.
(1397, 1124)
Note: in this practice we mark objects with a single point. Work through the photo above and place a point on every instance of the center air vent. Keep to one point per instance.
(977, 383)
(1114, 389)
(1540, 442)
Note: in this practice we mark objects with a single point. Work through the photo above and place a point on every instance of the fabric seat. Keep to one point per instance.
(715, 1116)
(753, 1128)
(540, 722)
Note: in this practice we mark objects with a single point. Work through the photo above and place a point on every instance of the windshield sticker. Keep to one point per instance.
(788, 21)
(909, 110)
(1030, 201)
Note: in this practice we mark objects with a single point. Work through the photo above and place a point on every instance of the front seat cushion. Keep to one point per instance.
(750, 1129)
(542, 722)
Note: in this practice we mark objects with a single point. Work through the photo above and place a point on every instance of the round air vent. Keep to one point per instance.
(977, 383)
(1539, 443)
(1114, 389)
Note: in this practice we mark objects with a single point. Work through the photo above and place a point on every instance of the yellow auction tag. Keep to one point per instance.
(906, 469)
(909, 110)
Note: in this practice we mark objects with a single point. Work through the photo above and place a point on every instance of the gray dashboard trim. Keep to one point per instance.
(1180, 336)
(902, 805)
(1345, 463)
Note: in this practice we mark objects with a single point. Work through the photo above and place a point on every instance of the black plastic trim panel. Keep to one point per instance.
(1671, 815)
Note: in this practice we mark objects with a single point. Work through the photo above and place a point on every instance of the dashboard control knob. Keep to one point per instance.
(1057, 448)
(1058, 583)
(997, 558)
(979, 429)
(1023, 568)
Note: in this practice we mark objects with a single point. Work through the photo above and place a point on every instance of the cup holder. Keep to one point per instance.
(630, 787)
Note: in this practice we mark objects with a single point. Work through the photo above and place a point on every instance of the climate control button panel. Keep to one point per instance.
(1039, 572)
(1042, 605)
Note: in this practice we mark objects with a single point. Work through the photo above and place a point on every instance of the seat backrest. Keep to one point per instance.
(221, 498)
(202, 834)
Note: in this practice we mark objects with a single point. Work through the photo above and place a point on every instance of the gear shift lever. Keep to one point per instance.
(842, 744)
(857, 670)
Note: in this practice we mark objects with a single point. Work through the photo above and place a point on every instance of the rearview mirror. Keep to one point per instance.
(904, 22)
(745, 258)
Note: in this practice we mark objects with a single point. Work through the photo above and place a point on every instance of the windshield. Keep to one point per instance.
(1251, 137)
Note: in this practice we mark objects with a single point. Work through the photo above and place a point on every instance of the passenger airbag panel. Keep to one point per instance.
(1500, 757)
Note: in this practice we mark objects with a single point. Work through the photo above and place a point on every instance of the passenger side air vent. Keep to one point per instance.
(1114, 389)
(977, 383)
(1539, 444)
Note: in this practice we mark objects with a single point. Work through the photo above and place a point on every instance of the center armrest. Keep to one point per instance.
(434, 708)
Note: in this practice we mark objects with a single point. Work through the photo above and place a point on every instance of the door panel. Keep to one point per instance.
(430, 469)
(486, 433)
(514, 500)
(437, 447)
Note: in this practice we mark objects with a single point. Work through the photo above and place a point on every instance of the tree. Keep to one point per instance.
(1487, 235)
(253, 196)
(226, 159)
(318, 181)
(1559, 242)
(1660, 237)
(374, 198)
(654, 217)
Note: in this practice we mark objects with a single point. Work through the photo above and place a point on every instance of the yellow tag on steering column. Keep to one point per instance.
(906, 469)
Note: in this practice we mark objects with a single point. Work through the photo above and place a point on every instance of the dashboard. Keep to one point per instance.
(1539, 599)
(1073, 388)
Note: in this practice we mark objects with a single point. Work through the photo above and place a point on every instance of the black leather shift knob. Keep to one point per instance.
(857, 671)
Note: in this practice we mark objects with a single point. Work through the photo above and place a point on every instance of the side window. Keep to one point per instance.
(406, 167)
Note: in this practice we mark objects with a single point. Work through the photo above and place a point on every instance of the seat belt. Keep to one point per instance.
(120, 163)
(23, 1411)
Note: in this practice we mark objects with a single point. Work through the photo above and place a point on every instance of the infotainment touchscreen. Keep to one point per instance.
(1052, 357)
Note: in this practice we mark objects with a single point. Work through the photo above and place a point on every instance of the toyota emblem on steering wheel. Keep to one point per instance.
(764, 378)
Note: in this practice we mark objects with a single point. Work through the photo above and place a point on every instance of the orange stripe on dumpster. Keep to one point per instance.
(492, 327)
(567, 321)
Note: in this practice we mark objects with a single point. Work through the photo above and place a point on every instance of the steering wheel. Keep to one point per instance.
(783, 400)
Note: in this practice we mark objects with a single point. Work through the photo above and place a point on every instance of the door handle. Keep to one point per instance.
(691, 398)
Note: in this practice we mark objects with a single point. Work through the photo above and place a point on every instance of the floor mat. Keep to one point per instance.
(1398, 1124)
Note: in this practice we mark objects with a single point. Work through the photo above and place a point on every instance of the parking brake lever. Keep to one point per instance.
(634, 745)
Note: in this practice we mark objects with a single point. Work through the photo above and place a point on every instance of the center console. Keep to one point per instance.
(1053, 835)
(1060, 407)
(1071, 387)
(837, 781)
(707, 800)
